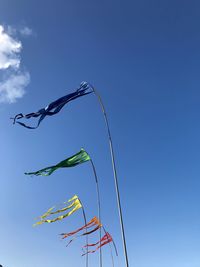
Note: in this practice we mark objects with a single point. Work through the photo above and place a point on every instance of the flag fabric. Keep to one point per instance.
(74, 206)
(80, 157)
(84, 234)
(50, 212)
(47, 213)
(54, 107)
(94, 222)
(107, 238)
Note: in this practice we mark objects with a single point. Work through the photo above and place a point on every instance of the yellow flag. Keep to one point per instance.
(74, 206)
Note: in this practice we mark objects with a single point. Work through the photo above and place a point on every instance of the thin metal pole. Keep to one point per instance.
(86, 236)
(115, 176)
(99, 209)
(99, 215)
(110, 249)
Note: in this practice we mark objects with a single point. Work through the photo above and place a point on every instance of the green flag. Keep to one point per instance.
(80, 157)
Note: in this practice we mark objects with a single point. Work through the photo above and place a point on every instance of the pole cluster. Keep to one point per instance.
(52, 109)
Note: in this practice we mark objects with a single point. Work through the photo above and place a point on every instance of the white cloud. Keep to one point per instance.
(12, 86)
(9, 51)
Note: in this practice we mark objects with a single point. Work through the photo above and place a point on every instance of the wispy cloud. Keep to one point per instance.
(14, 81)
(19, 30)
(26, 31)
(13, 88)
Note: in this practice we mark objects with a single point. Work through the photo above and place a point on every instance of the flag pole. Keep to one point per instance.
(99, 208)
(86, 236)
(110, 248)
(114, 172)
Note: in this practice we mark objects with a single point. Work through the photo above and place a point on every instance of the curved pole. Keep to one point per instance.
(99, 209)
(86, 236)
(110, 248)
(115, 175)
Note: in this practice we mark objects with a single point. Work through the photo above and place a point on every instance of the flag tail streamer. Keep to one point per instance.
(76, 205)
(72, 161)
(47, 213)
(93, 222)
(84, 234)
(53, 108)
(51, 212)
(87, 85)
(107, 238)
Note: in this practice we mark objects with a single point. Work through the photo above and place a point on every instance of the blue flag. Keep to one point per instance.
(54, 107)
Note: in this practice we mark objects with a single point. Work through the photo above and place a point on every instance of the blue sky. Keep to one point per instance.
(143, 57)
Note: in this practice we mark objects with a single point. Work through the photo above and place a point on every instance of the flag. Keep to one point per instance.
(93, 223)
(107, 238)
(54, 107)
(74, 206)
(80, 157)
